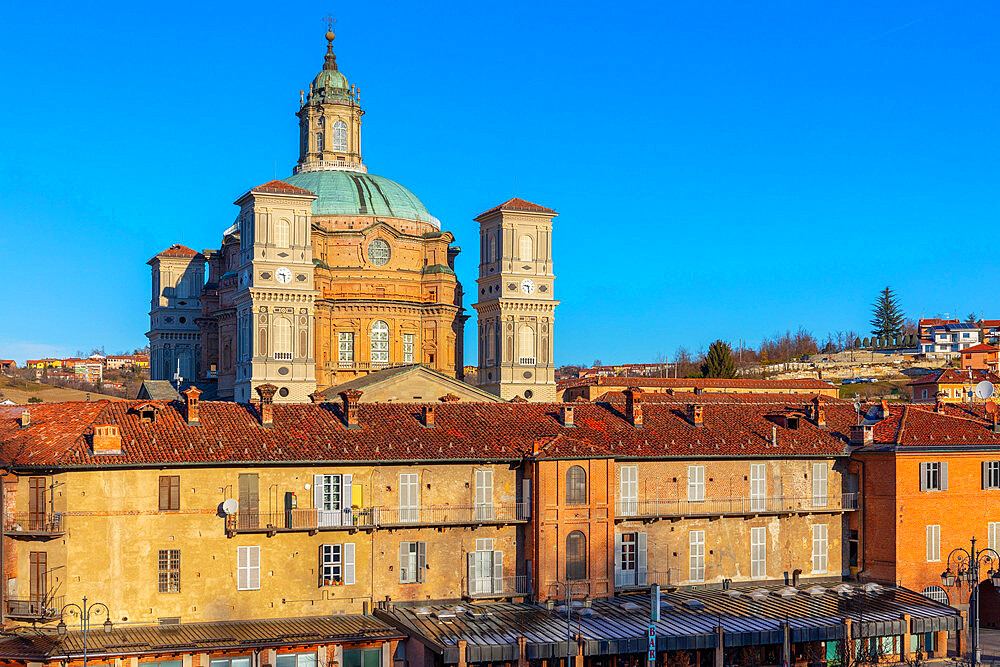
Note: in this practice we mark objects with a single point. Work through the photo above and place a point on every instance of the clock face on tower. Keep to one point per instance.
(527, 286)
(283, 275)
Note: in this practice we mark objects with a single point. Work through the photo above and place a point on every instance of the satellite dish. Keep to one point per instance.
(984, 389)
(991, 408)
(230, 506)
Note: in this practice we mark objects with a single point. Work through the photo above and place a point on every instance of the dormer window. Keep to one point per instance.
(147, 416)
(340, 136)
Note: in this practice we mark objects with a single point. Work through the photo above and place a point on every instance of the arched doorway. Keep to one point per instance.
(989, 605)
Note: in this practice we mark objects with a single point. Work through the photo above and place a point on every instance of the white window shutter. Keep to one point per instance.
(348, 550)
(404, 561)
(318, 491)
(526, 497)
(923, 476)
(241, 568)
(346, 499)
(640, 562)
(498, 573)
(986, 475)
(944, 475)
(618, 559)
(253, 558)
(421, 560)
(471, 557)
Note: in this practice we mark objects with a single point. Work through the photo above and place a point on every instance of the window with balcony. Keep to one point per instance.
(170, 570)
(345, 348)
(576, 556)
(630, 559)
(333, 499)
(485, 569)
(409, 496)
(696, 483)
(170, 493)
(576, 486)
(379, 343)
(412, 562)
(758, 487)
(484, 495)
(336, 564)
(628, 490)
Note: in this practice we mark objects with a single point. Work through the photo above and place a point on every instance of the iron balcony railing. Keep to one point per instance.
(628, 579)
(498, 587)
(33, 523)
(667, 507)
(34, 608)
(308, 519)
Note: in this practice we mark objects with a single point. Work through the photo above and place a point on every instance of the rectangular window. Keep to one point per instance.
(345, 350)
(295, 660)
(696, 555)
(331, 564)
(991, 474)
(629, 490)
(408, 348)
(248, 568)
(696, 483)
(230, 662)
(170, 570)
(409, 497)
(758, 553)
(820, 548)
(934, 476)
(819, 484)
(933, 543)
(484, 495)
(630, 559)
(362, 657)
(170, 492)
(758, 487)
(412, 562)
(993, 533)
(333, 499)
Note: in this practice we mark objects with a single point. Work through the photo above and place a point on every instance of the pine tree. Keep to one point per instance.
(887, 317)
(719, 361)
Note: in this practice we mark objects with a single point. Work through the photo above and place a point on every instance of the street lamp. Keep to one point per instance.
(967, 563)
(85, 612)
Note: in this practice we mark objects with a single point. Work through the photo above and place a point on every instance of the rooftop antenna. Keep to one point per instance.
(177, 375)
(857, 407)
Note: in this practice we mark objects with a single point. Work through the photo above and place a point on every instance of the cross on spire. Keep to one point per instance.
(329, 21)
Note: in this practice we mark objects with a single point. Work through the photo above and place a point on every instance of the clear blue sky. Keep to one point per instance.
(721, 169)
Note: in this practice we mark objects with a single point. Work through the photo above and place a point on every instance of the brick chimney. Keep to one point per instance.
(939, 404)
(107, 440)
(350, 398)
(696, 414)
(427, 415)
(633, 410)
(863, 434)
(266, 393)
(819, 412)
(191, 395)
(317, 397)
(566, 416)
(25, 418)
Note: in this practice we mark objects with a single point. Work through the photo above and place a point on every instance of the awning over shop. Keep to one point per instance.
(688, 620)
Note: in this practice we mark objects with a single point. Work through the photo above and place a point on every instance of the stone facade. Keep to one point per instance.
(516, 304)
(178, 274)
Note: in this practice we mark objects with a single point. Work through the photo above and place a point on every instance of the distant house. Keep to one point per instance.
(947, 340)
(7, 365)
(990, 331)
(981, 357)
(39, 364)
(950, 385)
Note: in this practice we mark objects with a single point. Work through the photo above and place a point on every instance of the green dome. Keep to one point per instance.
(330, 83)
(355, 193)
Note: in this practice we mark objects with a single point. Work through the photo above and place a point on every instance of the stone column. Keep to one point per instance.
(522, 652)
(786, 643)
(461, 652)
(720, 647)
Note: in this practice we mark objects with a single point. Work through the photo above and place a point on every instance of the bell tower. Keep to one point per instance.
(516, 304)
(330, 121)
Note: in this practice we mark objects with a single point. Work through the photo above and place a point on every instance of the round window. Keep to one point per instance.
(528, 393)
(283, 392)
(378, 252)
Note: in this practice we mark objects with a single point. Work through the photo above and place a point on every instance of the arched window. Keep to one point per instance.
(935, 593)
(493, 248)
(340, 136)
(283, 339)
(527, 254)
(319, 142)
(576, 486)
(526, 346)
(380, 342)
(281, 233)
(576, 556)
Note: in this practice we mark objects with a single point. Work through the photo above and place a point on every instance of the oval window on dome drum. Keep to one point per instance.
(378, 252)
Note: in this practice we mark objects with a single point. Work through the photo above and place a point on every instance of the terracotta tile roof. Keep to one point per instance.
(516, 204)
(178, 250)
(981, 347)
(955, 376)
(917, 425)
(701, 383)
(281, 188)
(713, 398)
(989, 324)
(58, 434)
(935, 321)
